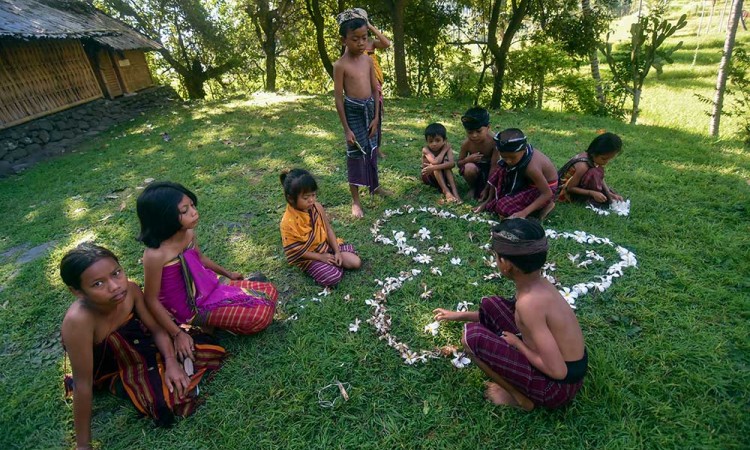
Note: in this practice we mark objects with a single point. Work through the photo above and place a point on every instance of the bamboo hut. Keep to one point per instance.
(56, 54)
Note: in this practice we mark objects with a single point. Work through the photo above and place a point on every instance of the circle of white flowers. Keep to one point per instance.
(381, 321)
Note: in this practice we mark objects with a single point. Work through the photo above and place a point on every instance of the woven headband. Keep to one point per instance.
(506, 244)
(350, 14)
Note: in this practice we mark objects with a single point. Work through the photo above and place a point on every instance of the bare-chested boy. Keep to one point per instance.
(524, 183)
(530, 345)
(357, 97)
(478, 157)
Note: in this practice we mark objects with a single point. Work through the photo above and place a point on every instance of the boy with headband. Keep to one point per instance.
(526, 181)
(530, 345)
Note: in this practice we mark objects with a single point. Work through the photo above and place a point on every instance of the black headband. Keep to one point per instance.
(506, 244)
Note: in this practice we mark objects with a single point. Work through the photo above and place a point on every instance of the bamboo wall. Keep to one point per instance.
(107, 73)
(41, 77)
(133, 69)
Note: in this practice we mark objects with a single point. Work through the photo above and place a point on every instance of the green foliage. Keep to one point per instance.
(738, 90)
(631, 63)
(461, 76)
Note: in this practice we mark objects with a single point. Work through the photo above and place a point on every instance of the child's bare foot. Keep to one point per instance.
(357, 210)
(451, 199)
(499, 396)
(383, 192)
(544, 212)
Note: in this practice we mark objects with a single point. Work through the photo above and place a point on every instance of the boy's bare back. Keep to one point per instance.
(541, 163)
(542, 314)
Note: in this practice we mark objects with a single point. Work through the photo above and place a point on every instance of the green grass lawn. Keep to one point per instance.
(668, 344)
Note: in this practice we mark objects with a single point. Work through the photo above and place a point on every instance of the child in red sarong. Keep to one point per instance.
(525, 182)
(582, 177)
(182, 283)
(530, 345)
(113, 341)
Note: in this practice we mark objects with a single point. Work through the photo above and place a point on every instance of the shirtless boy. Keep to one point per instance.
(530, 345)
(525, 181)
(357, 98)
(478, 157)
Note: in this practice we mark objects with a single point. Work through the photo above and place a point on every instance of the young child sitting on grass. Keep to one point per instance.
(530, 345)
(308, 238)
(582, 177)
(526, 181)
(114, 342)
(182, 284)
(437, 162)
(478, 157)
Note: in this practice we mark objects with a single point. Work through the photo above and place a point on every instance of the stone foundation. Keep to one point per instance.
(25, 144)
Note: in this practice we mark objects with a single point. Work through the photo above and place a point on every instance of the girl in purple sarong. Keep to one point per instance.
(582, 177)
(182, 283)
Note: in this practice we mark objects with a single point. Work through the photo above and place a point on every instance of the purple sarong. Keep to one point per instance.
(189, 289)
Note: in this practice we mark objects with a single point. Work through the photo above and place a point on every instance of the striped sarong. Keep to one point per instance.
(508, 203)
(362, 159)
(129, 364)
(495, 316)
(327, 274)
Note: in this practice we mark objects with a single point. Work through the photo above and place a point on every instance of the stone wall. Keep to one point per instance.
(25, 144)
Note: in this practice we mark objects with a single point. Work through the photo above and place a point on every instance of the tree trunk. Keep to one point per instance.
(636, 102)
(700, 22)
(540, 92)
(711, 15)
(594, 59)
(313, 8)
(721, 81)
(500, 53)
(399, 49)
(270, 51)
(721, 16)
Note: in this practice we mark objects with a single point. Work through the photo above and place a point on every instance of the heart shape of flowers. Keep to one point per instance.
(381, 320)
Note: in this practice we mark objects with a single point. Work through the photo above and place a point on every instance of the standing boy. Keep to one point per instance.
(478, 156)
(530, 345)
(438, 162)
(358, 104)
(525, 181)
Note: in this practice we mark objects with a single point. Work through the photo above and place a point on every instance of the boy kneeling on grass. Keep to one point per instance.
(530, 345)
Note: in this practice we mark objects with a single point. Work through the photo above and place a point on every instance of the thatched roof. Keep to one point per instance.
(67, 19)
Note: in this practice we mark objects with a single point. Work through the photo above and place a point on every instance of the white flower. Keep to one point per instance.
(424, 233)
(585, 263)
(325, 292)
(474, 283)
(593, 255)
(422, 258)
(492, 276)
(348, 297)
(549, 266)
(573, 258)
(415, 272)
(432, 328)
(436, 271)
(456, 261)
(292, 317)
(407, 250)
(354, 327)
(371, 302)
(489, 261)
(569, 296)
(445, 248)
(409, 357)
(621, 208)
(426, 294)
(460, 360)
(463, 306)
(399, 236)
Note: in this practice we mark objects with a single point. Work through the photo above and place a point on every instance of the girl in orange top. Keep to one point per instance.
(306, 234)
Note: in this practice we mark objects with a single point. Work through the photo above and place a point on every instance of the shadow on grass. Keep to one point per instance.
(688, 219)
